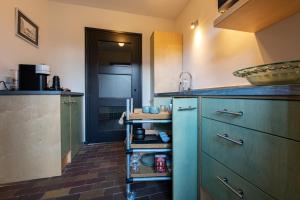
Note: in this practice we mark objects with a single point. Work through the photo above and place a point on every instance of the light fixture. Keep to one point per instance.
(194, 24)
(121, 44)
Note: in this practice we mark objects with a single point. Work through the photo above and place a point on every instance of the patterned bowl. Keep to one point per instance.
(281, 73)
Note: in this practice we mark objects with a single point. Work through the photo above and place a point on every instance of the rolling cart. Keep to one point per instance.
(144, 173)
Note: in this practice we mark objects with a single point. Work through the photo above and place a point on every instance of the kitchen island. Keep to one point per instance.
(35, 128)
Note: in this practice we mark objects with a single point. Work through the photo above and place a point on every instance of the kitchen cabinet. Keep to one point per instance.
(255, 15)
(39, 131)
(30, 132)
(65, 130)
(226, 185)
(184, 145)
(165, 61)
(76, 124)
(185, 148)
(71, 127)
(249, 144)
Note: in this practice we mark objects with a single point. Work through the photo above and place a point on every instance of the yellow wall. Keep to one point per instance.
(212, 54)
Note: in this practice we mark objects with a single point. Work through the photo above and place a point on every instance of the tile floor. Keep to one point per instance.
(97, 172)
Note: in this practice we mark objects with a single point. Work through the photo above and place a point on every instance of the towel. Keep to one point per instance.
(121, 120)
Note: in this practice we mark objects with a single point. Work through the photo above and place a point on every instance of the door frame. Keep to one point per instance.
(88, 30)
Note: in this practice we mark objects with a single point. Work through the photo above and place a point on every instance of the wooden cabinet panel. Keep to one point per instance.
(76, 124)
(255, 15)
(270, 162)
(271, 116)
(166, 61)
(233, 186)
(185, 133)
(65, 126)
(30, 142)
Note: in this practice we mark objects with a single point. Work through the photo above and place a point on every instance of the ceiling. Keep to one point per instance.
(168, 9)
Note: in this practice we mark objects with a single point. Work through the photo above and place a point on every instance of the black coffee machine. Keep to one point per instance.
(33, 77)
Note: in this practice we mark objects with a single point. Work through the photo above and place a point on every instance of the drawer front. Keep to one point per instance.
(270, 116)
(223, 184)
(270, 162)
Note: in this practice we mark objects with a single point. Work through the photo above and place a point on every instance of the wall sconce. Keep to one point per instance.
(194, 24)
(121, 44)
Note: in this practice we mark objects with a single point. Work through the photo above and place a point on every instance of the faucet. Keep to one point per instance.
(185, 81)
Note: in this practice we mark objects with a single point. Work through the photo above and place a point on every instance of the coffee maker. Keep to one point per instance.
(33, 77)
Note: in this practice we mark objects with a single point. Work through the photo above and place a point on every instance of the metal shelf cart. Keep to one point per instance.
(130, 149)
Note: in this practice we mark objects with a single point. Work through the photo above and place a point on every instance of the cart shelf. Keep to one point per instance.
(145, 172)
(139, 115)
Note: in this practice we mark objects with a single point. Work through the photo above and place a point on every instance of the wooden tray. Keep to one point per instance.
(138, 114)
(145, 171)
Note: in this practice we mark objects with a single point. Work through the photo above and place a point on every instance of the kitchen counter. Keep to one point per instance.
(43, 92)
(277, 90)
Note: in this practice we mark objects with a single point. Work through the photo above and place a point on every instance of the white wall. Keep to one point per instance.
(66, 25)
(212, 54)
(14, 50)
(62, 38)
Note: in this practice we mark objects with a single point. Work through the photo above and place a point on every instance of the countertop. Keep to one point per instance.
(276, 90)
(44, 92)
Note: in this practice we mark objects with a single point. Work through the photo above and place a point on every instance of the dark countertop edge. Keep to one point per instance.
(45, 92)
(276, 90)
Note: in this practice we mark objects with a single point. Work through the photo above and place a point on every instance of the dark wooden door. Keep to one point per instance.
(113, 73)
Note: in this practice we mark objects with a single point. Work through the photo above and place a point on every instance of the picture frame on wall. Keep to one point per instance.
(26, 29)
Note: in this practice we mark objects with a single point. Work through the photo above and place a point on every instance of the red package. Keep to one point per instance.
(160, 163)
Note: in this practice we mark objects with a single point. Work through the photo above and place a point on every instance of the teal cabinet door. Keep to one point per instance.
(65, 125)
(76, 124)
(223, 184)
(185, 176)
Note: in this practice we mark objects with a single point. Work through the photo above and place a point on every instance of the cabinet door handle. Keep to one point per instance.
(72, 101)
(225, 111)
(187, 108)
(226, 137)
(65, 102)
(237, 192)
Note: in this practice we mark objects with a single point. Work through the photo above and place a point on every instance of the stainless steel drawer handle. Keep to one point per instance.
(225, 111)
(237, 192)
(186, 108)
(226, 137)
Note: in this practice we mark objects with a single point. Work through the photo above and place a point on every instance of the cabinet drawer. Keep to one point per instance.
(223, 184)
(271, 116)
(270, 162)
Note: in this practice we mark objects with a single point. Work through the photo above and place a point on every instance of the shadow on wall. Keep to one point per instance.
(280, 42)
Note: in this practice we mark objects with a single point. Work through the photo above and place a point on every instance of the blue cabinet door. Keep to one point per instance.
(185, 184)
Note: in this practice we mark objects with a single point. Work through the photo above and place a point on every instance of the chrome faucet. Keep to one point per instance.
(185, 81)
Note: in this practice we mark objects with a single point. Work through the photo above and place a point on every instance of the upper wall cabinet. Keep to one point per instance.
(166, 61)
(255, 15)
